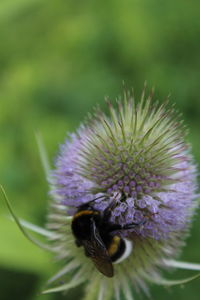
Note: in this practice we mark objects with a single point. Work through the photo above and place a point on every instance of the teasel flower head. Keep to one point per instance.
(136, 161)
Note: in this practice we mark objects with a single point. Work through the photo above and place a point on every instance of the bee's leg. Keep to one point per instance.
(78, 243)
(87, 253)
(114, 227)
(108, 210)
(132, 225)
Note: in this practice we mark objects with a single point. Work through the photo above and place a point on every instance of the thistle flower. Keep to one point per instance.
(137, 163)
(137, 160)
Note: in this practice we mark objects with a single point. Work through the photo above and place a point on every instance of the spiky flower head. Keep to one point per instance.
(137, 159)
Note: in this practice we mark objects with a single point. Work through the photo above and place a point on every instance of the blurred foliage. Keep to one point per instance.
(57, 60)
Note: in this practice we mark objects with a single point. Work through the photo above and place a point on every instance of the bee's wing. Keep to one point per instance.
(97, 251)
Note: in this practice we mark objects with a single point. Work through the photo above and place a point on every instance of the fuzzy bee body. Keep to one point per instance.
(95, 233)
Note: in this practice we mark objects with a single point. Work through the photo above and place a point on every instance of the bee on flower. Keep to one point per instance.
(124, 192)
(129, 182)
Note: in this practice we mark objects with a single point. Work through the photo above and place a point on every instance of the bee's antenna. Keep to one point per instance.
(89, 202)
(104, 196)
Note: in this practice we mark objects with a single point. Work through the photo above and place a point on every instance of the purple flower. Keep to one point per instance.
(138, 160)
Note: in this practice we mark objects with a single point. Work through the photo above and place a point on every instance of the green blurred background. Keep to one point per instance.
(57, 60)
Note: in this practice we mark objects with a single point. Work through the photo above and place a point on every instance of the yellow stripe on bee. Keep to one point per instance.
(85, 212)
(114, 245)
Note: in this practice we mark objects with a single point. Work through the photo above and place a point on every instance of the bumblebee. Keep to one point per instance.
(96, 234)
